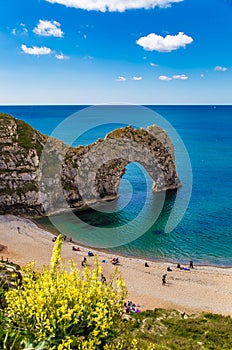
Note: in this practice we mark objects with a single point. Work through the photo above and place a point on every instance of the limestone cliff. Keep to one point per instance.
(21, 148)
(41, 175)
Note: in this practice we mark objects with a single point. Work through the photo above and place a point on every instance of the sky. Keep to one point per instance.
(115, 51)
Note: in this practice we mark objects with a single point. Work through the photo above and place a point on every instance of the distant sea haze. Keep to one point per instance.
(205, 233)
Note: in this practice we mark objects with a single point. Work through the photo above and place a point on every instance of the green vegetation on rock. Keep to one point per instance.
(5, 116)
(171, 329)
(25, 135)
(28, 138)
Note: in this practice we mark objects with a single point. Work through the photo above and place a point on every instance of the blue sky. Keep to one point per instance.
(122, 51)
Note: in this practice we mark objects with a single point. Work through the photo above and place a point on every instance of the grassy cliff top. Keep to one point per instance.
(19, 131)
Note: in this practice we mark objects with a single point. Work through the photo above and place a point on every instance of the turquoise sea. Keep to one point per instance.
(204, 234)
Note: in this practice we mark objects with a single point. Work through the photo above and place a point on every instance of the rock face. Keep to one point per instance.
(40, 175)
(21, 148)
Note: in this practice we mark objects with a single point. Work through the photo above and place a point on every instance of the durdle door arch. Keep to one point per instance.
(100, 166)
(40, 175)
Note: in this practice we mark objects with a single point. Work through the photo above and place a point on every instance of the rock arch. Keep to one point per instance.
(40, 175)
(100, 166)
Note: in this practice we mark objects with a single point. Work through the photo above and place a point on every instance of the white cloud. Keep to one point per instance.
(48, 28)
(180, 76)
(154, 64)
(121, 78)
(164, 78)
(154, 42)
(114, 5)
(137, 78)
(61, 56)
(202, 75)
(220, 69)
(35, 50)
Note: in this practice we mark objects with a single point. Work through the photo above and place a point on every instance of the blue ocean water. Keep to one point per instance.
(205, 232)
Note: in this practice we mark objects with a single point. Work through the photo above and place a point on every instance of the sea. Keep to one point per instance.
(192, 223)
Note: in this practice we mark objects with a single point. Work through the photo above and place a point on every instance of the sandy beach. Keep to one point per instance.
(204, 288)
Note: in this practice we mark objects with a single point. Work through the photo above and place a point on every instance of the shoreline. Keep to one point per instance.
(55, 232)
(204, 288)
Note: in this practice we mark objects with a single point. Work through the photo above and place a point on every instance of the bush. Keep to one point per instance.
(60, 309)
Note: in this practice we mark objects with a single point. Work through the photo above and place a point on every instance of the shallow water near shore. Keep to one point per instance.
(204, 234)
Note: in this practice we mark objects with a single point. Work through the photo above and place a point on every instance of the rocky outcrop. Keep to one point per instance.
(41, 175)
(21, 148)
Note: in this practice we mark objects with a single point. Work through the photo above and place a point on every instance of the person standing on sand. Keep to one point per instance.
(164, 279)
(103, 279)
(18, 229)
(84, 262)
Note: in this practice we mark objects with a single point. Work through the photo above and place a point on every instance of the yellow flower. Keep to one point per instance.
(65, 345)
(60, 303)
(56, 252)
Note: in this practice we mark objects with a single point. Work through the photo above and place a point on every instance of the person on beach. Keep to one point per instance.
(76, 249)
(164, 279)
(169, 268)
(191, 264)
(18, 229)
(84, 262)
(90, 253)
(146, 264)
(103, 279)
(130, 307)
(115, 261)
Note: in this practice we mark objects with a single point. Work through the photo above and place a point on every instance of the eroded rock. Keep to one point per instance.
(41, 175)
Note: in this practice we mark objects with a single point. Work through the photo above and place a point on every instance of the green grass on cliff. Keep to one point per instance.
(26, 137)
(6, 116)
(25, 134)
(170, 329)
